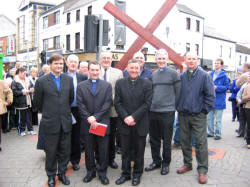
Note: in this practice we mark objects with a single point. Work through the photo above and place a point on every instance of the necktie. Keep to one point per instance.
(105, 75)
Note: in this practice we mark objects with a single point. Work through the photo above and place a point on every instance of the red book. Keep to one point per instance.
(100, 129)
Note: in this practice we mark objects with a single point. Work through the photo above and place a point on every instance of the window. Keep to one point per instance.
(221, 51)
(57, 17)
(119, 46)
(68, 18)
(197, 49)
(197, 25)
(45, 44)
(188, 23)
(57, 42)
(187, 47)
(77, 40)
(78, 15)
(245, 58)
(68, 42)
(45, 22)
(90, 10)
(240, 61)
(230, 52)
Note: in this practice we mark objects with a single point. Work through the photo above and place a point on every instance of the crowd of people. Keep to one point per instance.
(78, 102)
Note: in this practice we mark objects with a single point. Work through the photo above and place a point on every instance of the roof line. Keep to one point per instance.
(220, 38)
(12, 22)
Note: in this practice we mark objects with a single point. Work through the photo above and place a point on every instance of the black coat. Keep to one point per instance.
(133, 100)
(80, 77)
(97, 105)
(54, 105)
(19, 100)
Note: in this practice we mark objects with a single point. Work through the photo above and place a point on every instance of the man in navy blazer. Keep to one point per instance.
(72, 65)
(94, 99)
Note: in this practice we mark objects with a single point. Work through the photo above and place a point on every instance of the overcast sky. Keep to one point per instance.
(227, 16)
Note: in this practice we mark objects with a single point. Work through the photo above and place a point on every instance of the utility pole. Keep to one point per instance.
(99, 51)
(1, 66)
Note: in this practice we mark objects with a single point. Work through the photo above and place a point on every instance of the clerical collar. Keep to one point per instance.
(92, 81)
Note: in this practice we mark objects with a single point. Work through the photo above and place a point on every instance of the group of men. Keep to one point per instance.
(133, 105)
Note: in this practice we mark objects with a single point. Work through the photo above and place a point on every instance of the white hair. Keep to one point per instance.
(84, 63)
(161, 51)
(139, 53)
(72, 57)
(45, 66)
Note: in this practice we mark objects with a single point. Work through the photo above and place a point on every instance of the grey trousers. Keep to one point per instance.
(196, 124)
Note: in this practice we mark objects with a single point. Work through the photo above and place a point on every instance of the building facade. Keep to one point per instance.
(242, 55)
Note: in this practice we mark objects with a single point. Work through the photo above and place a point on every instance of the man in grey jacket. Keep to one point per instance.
(196, 100)
(166, 91)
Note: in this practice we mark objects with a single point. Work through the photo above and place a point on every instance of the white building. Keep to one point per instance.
(27, 29)
(242, 55)
(216, 45)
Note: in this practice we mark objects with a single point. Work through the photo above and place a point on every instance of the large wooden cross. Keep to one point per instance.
(145, 34)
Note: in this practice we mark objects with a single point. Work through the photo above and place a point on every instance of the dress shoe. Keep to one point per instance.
(202, 179)
(104, 180)
(122, 179)
(217, 137)
(136, 181)
(64, 179)
(152, 167)
(75, 167)
(0, 148)
(209, 136)
(113, 164)
(51, 181)
(164, 170)
(89, 177)
(184, 169)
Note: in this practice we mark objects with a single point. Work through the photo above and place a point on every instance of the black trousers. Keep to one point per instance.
(100, 143)
(57, 149)
(0, 129)
(243, 121)
(112, 137)
(136, 143)
(24, 120)
(75, 138)
(235, 110)
(34, 118)
(5, 123)
(247, 112)
(161, 128)
(13, 117)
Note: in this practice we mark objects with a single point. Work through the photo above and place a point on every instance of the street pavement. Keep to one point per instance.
(22, 165)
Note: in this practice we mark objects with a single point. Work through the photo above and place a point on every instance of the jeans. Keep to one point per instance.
(210, 122)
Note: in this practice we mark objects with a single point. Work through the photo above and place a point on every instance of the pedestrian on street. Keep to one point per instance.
(196, 100)
(246, 99)
(133, 97)
(166, 92)
(6, 98)
(53, 96)
(221, 85)
(94, 99)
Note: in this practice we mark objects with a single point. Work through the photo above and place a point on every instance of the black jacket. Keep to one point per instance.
(97, 105)
(54, 104)
(133, 100)
(19, 100)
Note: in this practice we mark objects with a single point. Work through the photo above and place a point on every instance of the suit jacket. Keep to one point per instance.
(113, 75)
(54, 105)
(133, 100)
(5, 91)
(97, 105)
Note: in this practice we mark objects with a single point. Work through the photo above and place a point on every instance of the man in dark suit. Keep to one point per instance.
(133, 97)
(53, 96)
(94, 98)
(72, 65)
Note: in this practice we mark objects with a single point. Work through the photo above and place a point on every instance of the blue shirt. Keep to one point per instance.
(73, 75)
(57, 81)
(164, 69)
(94, 85)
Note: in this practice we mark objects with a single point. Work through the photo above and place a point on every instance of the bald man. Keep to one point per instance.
(195, 83)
